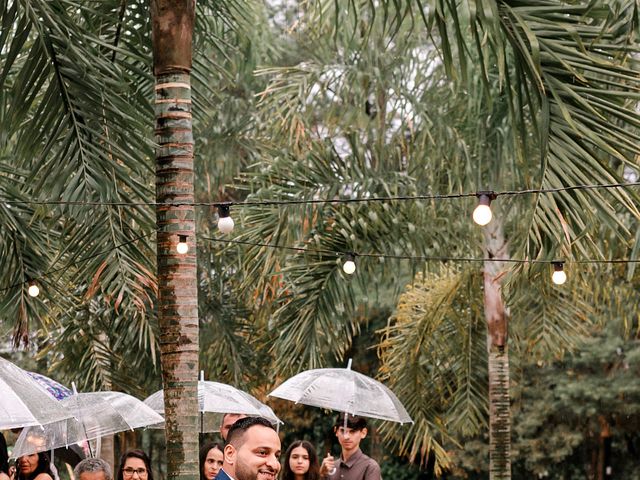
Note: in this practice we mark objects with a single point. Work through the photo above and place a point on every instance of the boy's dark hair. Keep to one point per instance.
(353, 421)
(238, 429)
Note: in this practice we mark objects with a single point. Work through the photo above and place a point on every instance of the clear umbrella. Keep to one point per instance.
(97, 414)
(343, 390)
(214, 400)
(55, 389)
(23, 402)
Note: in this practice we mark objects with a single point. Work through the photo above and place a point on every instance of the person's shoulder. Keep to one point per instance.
(366, 458)
(222, 475)
(43, 476)
(372, 465)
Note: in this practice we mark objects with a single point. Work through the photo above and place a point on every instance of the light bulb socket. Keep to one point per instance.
(224, 210)
(485, 198)
(182, 238)
(350, 257)
(558, 266)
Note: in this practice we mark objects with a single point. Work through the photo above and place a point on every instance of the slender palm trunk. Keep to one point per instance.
(172, 23)
(497, 330)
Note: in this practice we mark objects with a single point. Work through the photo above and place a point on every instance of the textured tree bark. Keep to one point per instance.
(172, 31)
(497, 330)
(604, 469)
(499, 415)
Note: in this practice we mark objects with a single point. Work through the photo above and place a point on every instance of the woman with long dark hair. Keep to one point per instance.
(135, 465)
(211, 457)
(34, 467)
(301, 462)
(5, 474)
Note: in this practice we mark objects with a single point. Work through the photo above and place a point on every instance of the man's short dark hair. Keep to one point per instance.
(353, 421)
(92, 465)
(238, 429)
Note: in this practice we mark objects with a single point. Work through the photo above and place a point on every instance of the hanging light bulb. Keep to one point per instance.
(183, 246)
(349, 265)
(559, 276)
(225, 222)
(33, 289)
(482, 214)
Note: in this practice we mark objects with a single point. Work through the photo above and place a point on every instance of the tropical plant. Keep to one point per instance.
(575, 416)
(358, 100)
(77, 185)
(542, 97)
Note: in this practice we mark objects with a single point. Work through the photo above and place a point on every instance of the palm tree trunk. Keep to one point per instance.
(497, 330)
(172, 31)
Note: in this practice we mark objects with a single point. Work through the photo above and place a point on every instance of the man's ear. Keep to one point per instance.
(364, 432)
(229, 454)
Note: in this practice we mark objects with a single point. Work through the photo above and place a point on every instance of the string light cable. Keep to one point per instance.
(426, 258)
(226, 204)
(226, 226)
(348, 257)
(33, 281)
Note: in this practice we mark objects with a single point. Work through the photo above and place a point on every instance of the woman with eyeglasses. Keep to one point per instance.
(135, 465)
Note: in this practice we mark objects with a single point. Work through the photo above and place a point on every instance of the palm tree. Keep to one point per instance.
(76, 126)
(172, 34)
(351, 108)
(543, 97)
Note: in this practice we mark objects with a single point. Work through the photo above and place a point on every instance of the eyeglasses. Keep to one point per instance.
(128, 472)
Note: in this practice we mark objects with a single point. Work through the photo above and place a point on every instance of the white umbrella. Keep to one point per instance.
(97, 414)
(216, 399)
(343, 390)
(23, 402)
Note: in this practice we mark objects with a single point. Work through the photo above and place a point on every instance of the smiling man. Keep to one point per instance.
(252, 451)
(353, 464)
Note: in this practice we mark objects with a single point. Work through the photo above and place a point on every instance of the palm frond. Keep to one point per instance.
(436, 343)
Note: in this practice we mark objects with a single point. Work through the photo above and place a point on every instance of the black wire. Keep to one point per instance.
(76, 262)
(327, 252)
(412, 257)
(322, 201)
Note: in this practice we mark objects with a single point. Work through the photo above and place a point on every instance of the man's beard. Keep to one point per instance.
(243, 473)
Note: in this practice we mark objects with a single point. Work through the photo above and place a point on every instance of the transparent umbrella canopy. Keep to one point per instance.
(55, 389)
(97, 414)
(214, 400)
(343, 390)
(24, 402)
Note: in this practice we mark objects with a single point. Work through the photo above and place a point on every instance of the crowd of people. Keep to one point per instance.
(251, 451)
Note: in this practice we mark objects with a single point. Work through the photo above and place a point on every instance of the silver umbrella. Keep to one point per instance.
(214, 400)
(343, 390)
(23, 402)
(97, 414)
